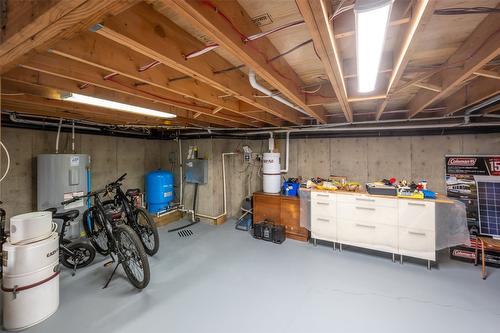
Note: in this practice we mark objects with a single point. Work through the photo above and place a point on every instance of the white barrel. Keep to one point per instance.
(30, 227)
(271, 172)
(30, 286)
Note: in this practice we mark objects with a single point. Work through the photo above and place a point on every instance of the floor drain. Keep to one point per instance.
(185, 233)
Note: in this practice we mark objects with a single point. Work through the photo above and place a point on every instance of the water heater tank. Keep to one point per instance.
(59, 178)
(271, 171)
(159, 190)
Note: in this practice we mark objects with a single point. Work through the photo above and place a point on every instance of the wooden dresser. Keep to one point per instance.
(280, 209)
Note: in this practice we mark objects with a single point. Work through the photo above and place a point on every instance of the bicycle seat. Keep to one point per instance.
(132, 192)
(53, 210)
(67, 216)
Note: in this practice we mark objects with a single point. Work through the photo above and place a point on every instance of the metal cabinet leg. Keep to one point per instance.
(340, 247)
(315, 242)
(334, 246)
(428, 264)
(401, 259)
(393, 257)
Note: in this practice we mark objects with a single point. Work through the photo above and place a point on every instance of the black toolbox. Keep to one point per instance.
(269, 232)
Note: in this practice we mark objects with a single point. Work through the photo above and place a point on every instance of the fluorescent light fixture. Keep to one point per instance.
(372, 17)
(104, 103)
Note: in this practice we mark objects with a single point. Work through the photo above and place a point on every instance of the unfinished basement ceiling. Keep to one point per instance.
(139, 53)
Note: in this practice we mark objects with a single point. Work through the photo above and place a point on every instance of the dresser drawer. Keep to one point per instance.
(323, 227)
(370, 235)
(417, 214)
(367, 200)
(363, 212)
(418, 243)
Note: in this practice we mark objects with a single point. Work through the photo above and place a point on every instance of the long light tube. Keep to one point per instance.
(372, 17)
(116, 105)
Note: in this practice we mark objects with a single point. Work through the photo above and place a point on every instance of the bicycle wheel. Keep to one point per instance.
(135, 262)
(148, 232)
(83, 255)
(96, 235)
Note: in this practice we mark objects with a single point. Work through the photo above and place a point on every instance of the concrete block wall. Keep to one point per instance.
(359, 159)
(110, 158)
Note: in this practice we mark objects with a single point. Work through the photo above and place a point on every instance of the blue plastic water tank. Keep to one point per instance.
(159, 190)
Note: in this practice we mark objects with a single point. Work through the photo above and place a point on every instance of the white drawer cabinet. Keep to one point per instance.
(418, 243)
(398, 226)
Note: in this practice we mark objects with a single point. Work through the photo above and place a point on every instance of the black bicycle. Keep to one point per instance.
(123, 208)
(122, 242)
(74, 254)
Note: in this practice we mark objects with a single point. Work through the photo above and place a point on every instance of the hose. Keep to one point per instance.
(8, 161)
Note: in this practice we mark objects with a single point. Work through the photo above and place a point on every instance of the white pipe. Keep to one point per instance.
(287, 152)
(73, 137)
(181, 179)
(253, 82)
(8, 161)
(58, 134)
(271, 142)
(224, 213)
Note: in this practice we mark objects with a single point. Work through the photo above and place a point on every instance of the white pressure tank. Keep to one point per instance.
(30, 286)
(271, 172)
(30, 227)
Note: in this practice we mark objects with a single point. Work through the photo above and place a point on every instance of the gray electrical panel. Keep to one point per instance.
(59, 178)
(197, 171)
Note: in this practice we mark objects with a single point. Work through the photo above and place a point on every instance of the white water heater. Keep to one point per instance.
(30, 286)
(271, 172)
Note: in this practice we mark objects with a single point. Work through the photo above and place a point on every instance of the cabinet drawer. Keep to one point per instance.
(418, 243)
(417, 214)
(367, 213)
(323, 196)
(323, 227)
(324, 207)
(369, 235)
(367, 200)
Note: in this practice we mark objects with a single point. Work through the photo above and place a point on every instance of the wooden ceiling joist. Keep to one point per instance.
(422, 13)
(73, 70)
(38, 80)
(316, 14)
(61, 20)
(482, 46)
(227, 29)
(148, 32)
(95, 50)
(488, 74)
(476, 91)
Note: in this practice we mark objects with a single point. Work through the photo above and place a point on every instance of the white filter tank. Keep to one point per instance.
(271, 171)
(30, 227)
(30, 286)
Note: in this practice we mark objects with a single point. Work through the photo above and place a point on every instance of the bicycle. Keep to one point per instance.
(122, 242)
(72, 254)
(136, 217)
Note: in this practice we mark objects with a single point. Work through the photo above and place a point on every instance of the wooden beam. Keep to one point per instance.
(422, 13)
(66, 68)
(488, 74)
(316, 14)
(98, 51)
(254, 54)
(44, 80)
(482, 46)
(428, 86)
(146, 31)
(63, 19)
(476, 91)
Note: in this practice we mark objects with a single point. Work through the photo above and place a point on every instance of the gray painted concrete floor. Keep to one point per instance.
(222, 280)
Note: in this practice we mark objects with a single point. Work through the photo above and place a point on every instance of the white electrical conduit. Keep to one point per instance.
(181, 179)
(73, 137)
(224, 213)
(8, 161)
(287, 152)
(58, 134)
(253, 82)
